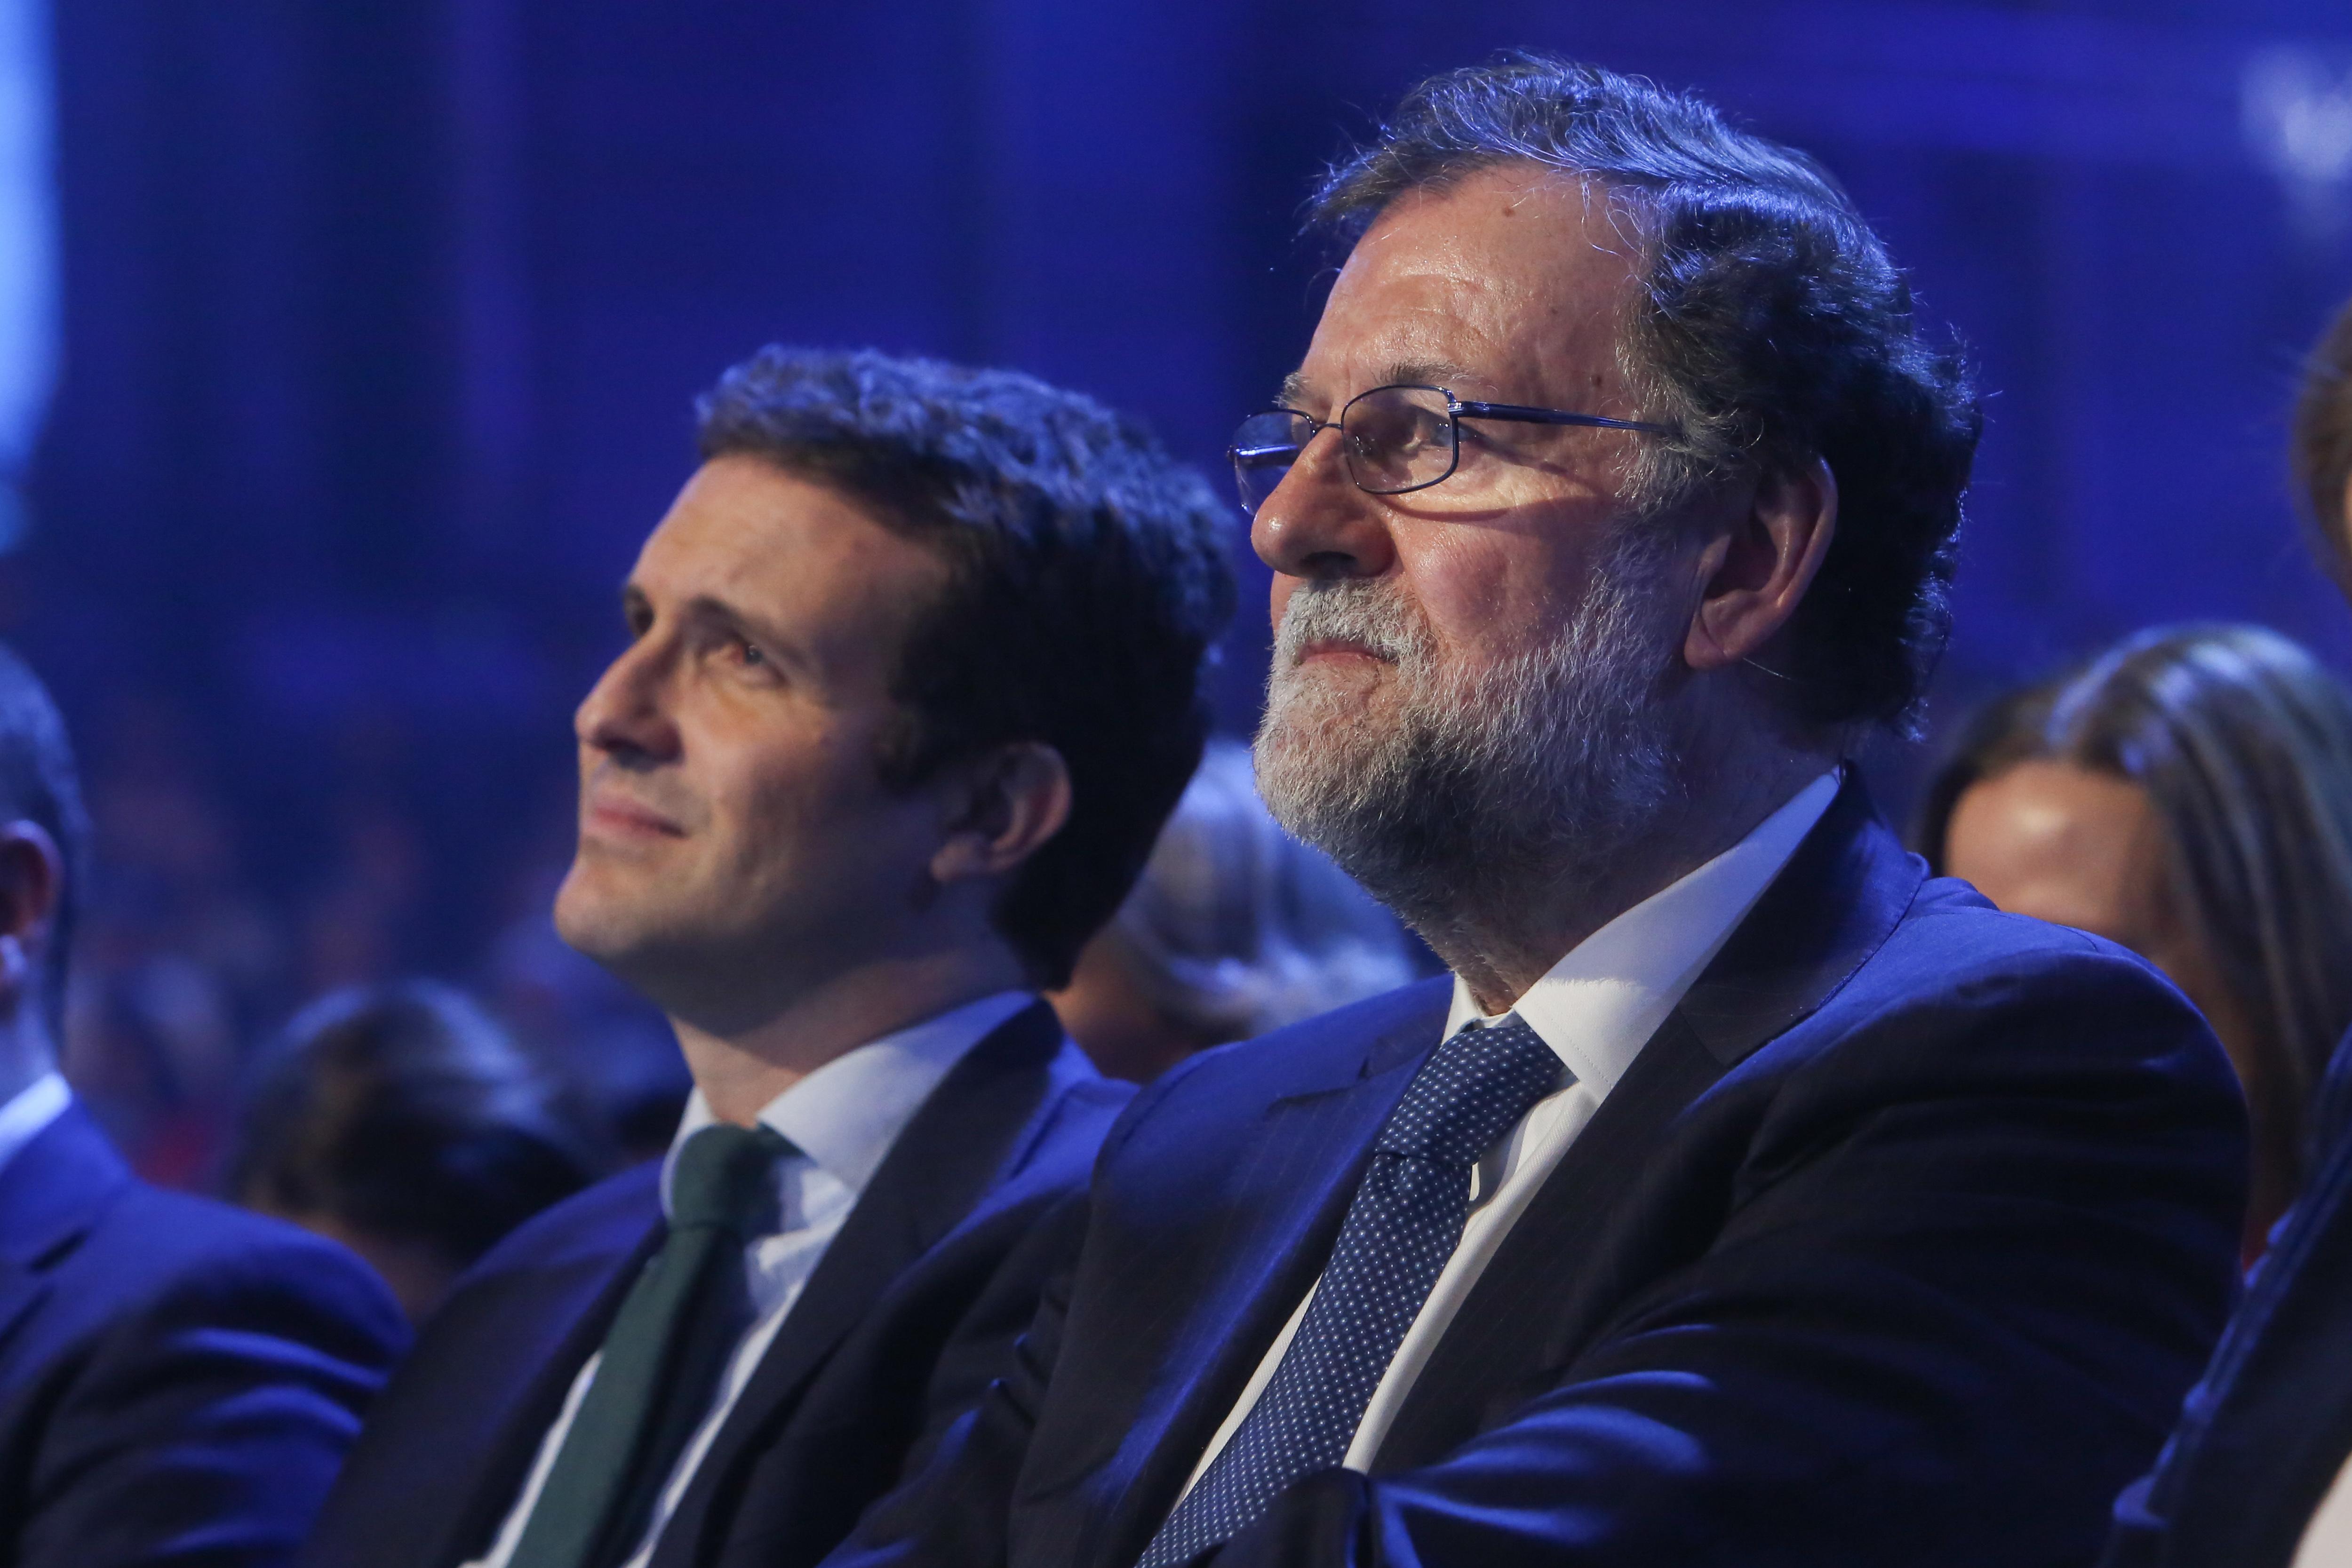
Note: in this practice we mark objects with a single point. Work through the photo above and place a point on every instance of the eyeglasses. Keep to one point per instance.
(1394, 439)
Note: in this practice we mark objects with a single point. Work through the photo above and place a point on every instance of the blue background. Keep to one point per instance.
(383, 320)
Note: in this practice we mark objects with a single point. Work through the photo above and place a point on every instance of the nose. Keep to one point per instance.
(626, 714)
(1316, 523)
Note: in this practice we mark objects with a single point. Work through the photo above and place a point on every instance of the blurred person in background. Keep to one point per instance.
(1996, 734)
(401, 1121)
(913, 680)
(177, 961)
(1235, 928)
(2190, 797)
(179, 1379)
(2258, 1474)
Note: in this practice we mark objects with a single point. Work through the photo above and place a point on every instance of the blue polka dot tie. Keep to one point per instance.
(1403, 1226)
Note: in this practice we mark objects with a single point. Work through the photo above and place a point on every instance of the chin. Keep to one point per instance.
(592, 916)
(1320, 725)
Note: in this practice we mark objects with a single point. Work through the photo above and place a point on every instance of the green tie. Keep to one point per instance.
(662, 1358)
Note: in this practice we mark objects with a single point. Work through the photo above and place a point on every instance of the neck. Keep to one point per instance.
(1500, 953)
(740, 1070)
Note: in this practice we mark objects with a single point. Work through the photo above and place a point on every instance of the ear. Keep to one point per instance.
(32, 879)
(1755, 573)
(1010, 802)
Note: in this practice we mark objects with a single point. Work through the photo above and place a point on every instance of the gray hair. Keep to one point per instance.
(1772, 330)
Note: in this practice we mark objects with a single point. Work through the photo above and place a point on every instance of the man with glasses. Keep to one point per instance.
(1743, 1197)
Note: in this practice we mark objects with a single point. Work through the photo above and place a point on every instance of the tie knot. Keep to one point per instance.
(721, 1177)
(1470, 1092)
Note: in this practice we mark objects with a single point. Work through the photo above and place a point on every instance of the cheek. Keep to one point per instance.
(811, 821)
(765, 791)
(1486, 595)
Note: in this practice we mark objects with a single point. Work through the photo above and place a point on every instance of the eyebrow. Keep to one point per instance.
(709, 609)
(1297, 388)
(1427, 373)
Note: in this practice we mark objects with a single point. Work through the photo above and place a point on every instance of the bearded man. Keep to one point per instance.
(1744, 1197)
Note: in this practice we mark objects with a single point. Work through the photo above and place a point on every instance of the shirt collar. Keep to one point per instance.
(30, 1112)
(846, 1115)
(1599, 1004)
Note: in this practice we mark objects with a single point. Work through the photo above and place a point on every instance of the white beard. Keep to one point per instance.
(1476, 789)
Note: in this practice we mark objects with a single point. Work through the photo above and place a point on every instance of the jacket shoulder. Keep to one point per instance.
(188, 1257)
(1954, 942)
(609, 1217)
(1962, 989)
(1302, 1057)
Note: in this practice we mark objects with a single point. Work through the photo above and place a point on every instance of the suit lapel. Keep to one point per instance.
(21, 1289)
(1549, 1286)
(51, 1194)
(587, 1295)
(1324, 1136)
(970, 1129)
(1833, 904)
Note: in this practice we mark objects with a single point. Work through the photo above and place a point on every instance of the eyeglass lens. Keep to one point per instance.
(1394, 439)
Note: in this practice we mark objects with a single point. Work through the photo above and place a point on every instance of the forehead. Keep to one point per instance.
(2067, 834)
(798, 556)
(1515, 279)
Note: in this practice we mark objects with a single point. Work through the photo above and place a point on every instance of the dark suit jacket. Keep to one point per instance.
(2261, 1437)
(1897, 1244)
(912, 1311)
(178, 1379)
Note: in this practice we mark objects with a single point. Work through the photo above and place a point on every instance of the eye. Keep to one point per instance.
(752, 658)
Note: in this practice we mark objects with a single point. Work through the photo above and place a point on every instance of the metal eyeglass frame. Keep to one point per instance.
(1456, 411)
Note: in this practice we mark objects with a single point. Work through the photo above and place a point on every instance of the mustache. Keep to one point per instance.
(1370, 614)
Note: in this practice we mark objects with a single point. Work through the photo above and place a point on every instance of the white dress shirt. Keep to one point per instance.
(843, 1119)
(1596, 1009)
(30, 1112)
(2327, 1539)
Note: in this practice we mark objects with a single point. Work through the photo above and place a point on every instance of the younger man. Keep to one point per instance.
(912, 681)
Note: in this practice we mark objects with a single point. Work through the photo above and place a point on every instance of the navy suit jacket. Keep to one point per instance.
(1897, 1243)
(178, 1379)
(2262, 1436)
(912, 1311)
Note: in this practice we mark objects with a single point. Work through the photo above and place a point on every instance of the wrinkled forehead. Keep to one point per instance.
(1518, 280)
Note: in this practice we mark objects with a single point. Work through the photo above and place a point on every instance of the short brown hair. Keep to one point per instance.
(1086, 581)
(2321, 451)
